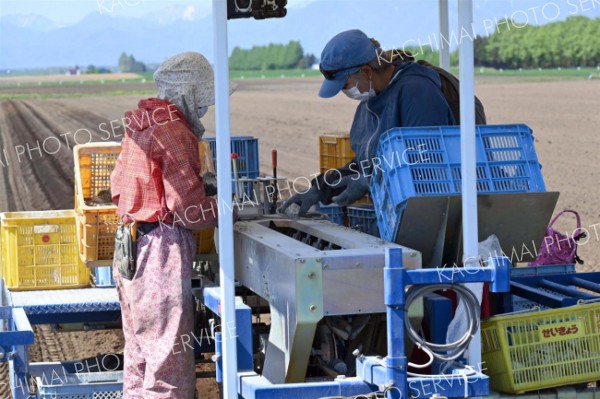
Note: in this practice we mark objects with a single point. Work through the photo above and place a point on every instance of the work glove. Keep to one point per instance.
(210, 184)
(356, 186)
(304, 200)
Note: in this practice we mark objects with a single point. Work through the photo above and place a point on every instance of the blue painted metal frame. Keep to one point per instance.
(396, 362)
(255, 386)
(395, 374)
(373, 374)
(242, 331)
(376, 371)
(19, 330)
(438, 314)
(65, 313)
(15, 340)
(75, 317)
(496, 273)
(13, 347)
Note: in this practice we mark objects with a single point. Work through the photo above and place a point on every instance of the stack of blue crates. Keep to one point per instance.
(426, 161)
(246, 148)
(363, 218)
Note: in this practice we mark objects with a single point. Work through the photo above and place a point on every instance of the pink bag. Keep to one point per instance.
(557, 248)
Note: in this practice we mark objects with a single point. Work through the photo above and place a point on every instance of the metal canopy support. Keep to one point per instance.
(467, 133)
(468, 170)
(227, 277)
(445, 33)
(468, 156)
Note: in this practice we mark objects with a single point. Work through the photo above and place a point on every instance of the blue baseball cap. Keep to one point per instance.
(343, 56)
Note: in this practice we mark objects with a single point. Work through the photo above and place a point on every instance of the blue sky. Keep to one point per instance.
(67, 12)
(35, 42)
(71, 11)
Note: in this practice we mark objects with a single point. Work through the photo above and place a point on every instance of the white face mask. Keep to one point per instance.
(356, 94)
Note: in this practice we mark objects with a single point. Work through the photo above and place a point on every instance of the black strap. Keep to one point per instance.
(144, 228)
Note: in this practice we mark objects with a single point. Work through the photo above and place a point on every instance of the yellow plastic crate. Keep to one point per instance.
(334, 151)
(94, 163)
(96, 225)
(530, 351)
(205, 242)
(39, 251)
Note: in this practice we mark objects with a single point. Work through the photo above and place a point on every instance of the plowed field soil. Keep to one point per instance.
(37, 137)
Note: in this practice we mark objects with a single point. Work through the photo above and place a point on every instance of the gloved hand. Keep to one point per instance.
(356, 187)
(210, 184)
(304, 200)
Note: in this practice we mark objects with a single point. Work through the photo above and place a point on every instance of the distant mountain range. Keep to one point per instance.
(33, 41)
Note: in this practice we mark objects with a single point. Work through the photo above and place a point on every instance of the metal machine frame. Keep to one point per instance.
(373, 374)
(22, 309)
(303, 284)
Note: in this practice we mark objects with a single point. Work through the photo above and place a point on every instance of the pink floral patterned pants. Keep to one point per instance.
(157, 312)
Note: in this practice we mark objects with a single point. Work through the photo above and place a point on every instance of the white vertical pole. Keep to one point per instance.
(227, 289)
(444, 32)
(468, 157)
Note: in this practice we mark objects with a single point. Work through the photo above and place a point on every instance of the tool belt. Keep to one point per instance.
(126, 237)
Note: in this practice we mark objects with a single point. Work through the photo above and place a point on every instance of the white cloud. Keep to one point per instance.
(189, 14)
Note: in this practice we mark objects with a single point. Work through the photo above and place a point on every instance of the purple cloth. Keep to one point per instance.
(158, 320)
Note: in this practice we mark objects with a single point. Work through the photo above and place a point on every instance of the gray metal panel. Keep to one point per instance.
(353, 283)
(516, 219)
(267, 263)
(303, 283)
(353, 291)
(264, 258)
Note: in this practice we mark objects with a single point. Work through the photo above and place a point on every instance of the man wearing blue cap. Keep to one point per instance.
(393, 92)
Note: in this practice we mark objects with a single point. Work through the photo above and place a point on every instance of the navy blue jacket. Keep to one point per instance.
(413, 98)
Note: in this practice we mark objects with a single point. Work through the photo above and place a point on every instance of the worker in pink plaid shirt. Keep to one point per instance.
(157, 183)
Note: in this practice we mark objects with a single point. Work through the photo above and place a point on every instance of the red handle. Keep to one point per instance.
(234, 155)
(274, 158)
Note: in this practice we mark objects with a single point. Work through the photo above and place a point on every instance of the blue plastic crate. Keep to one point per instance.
(246, 148)
(389, 213)
(363, 218)
(335, 213)
(425, 161)
(103, 276)
(519, 303)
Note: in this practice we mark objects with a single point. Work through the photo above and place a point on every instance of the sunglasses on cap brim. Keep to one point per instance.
(329, 74)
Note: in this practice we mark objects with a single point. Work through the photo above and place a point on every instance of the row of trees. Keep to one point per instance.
(273, 56)
(570, 43)
(127, 63)
(291, 55)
